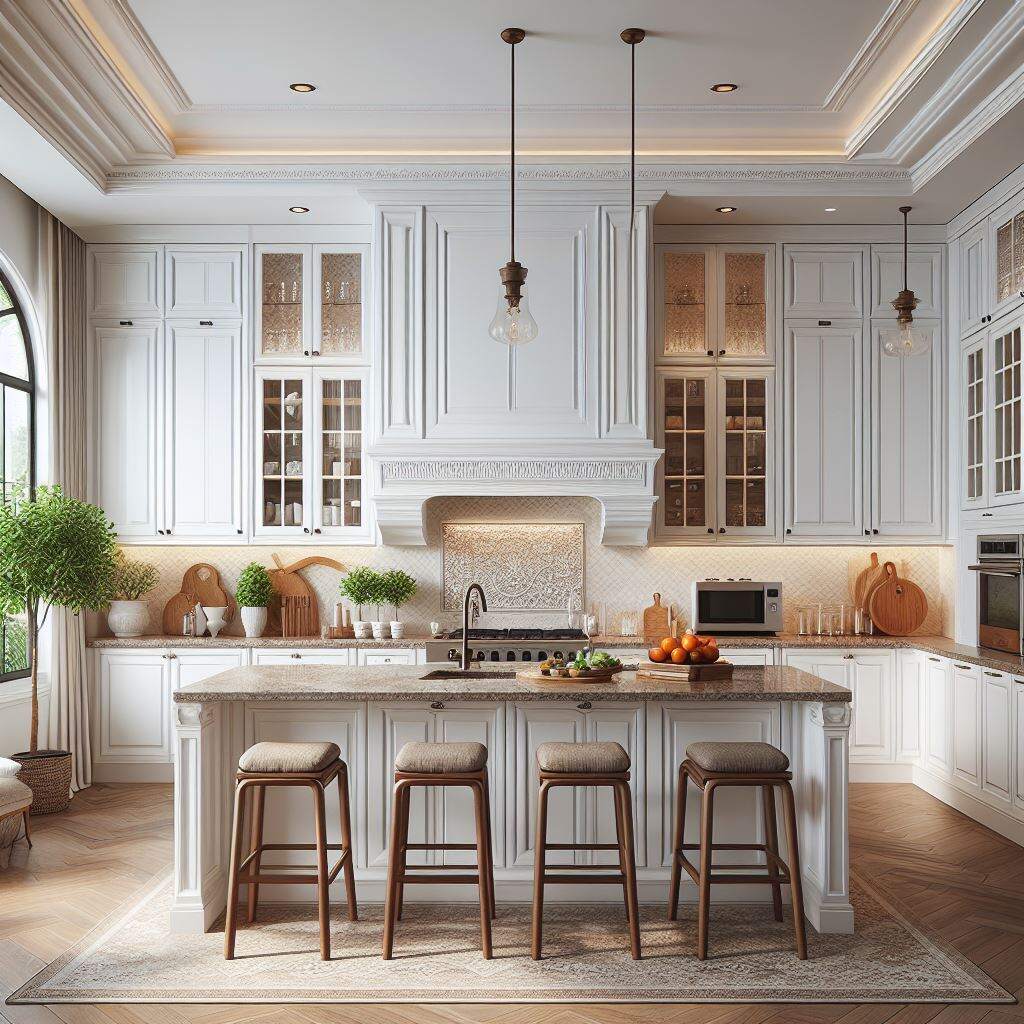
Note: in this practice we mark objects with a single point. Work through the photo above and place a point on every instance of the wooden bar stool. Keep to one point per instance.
(710, 766)
(440, 764)
(316, 766)
(585, 764)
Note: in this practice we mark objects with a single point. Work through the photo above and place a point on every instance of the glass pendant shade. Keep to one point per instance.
(905, 340)
(513, 325)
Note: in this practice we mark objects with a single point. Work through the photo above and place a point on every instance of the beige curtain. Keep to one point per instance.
(64, 269)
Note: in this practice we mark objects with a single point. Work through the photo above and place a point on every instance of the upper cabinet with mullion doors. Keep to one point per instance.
(974, 386)
(311, 303)
(1004, 404)
(715, 303)
(1006, 258)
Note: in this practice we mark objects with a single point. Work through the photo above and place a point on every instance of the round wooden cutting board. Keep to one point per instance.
(897, 606)
(867, 580)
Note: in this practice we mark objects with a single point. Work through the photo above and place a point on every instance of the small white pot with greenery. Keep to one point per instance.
(128, 614)
(359, 587)
(253, 595)
(397, 587)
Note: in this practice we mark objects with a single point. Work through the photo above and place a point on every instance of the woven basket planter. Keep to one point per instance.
(48, 774)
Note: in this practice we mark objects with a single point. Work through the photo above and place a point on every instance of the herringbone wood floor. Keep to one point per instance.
(959, 879)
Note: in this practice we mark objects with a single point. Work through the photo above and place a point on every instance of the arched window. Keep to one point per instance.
(17, 455)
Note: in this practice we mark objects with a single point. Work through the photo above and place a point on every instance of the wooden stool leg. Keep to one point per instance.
(28, 830)
(795, 881)
(682, 783)
(346, 841)
(627, 857)
(322, 884)
(231, 913)
(539, 843)
(403, 853)
(707, 818)
(257, 803)
(481, 871)
(771, 840)
(394, 870)
(490, 845)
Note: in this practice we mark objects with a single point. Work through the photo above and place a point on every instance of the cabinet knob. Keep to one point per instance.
(172, 656)
(316, 351)
(721, 529)
(296, 655)
(238, 531)
(848, 657)
(316, 529)
(867, 533)
(721, 351)
(305, 529)
(711, 351)
(584, 705)
(788, 530)
(306, 352)
(437, 705)
(711, 529)
(874, 531)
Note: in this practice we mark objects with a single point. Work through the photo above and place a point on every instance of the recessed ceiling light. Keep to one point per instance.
(830, 209)
(298, 209)
(302, 87)
(724, 87)
(725, 209)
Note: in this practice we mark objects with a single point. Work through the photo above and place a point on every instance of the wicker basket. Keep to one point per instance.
(48, 774)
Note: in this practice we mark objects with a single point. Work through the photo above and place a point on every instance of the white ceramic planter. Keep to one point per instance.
(254, 621)
(361, 630)
(378, 630)
(397, 630)
(128, 618)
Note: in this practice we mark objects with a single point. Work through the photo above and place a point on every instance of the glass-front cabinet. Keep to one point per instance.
(311, 303)
(973, 397)
(1008, 258)
(310, 453)
(1005, 348)
(715, 303)
(716, 479)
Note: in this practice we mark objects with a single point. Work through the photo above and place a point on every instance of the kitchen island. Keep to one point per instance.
(370, 712)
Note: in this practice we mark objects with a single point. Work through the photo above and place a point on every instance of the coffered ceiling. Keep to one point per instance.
(189, 101)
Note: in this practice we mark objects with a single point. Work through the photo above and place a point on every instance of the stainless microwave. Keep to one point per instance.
(737, 606)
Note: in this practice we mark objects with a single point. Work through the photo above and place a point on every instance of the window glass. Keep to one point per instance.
(12, 346)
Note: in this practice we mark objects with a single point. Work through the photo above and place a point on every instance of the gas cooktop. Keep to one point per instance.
(502, 636)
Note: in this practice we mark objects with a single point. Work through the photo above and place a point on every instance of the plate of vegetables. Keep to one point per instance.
(597, 666)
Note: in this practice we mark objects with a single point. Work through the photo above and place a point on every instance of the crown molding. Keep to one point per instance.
(864, 60)
(936, 45)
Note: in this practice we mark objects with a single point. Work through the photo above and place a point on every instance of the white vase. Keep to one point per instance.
(378, 630)
(128, 618)
(254, 621)
(215, 619)
(361, 630)
(397, 630)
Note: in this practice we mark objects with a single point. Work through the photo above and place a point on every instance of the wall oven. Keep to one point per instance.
(1000, 595)
(737, 606)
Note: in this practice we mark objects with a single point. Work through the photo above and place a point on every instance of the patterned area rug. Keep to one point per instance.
(131, 958)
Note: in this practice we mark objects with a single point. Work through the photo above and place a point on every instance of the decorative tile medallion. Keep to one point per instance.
(523, 567)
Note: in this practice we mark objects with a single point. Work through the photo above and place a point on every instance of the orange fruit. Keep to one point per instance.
(669, 644)
(710, 654)
(689, 642)
(697, 656)
(680, 656)
(657, 654)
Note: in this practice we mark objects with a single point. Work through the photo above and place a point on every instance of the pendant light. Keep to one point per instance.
(905, 339)
(513, 323)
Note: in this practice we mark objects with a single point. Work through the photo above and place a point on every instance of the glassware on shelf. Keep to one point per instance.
(685, 323)
(806, 620)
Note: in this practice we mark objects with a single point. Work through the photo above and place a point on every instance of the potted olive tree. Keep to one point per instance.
(54, 550)
(128, 614)
(397, 587)
(360, 586)
(253, 595)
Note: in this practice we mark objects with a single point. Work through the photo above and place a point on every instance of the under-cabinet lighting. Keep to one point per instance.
(725, 209)
(302, 87)
(724, 87)
(298, 209)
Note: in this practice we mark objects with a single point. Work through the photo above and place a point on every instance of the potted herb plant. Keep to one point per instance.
(54, 550)
(360, 586)
(253, 595)
(397, 587)
(128, 614)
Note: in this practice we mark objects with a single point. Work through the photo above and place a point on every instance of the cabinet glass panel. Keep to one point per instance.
(1006, 404)
(746, 443)
(281, 312)
(685, 304)
(283, 467)
(1004, 261)
(341, 309)
(975, 406)
(1018, 252)
(341, 449)
(744, 330)
(685, 452)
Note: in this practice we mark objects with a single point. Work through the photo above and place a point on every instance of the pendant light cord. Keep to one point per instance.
(905, 249)
(632, 139)
(512, 160)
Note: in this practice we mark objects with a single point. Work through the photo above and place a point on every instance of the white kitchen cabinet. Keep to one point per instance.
(341, 327)
(1006, 259)
(390, 656)
(128, 439)
(824, 282)
(189, 665)
(133, 707)
(974, 291)
(924, 278)
(997, 737)
(824, 430)
(761, 657)
(303, 656)
(967, 732)
(202, 452)
(910, 682)
(1018, 744)
(205, 281)
(938, 698)
(974, 410)
(283, 302)
(125, 281)
(715, 303)
(1005, 399)
(908, 410)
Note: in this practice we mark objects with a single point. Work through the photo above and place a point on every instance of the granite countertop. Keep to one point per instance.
(410, 683)
(208, 643)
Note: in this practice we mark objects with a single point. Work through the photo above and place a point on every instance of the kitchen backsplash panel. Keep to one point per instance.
(620, 579)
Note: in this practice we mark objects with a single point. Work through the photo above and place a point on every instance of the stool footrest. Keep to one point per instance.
(433, 879)
(439, 846)
(581, 846)
(595, 879)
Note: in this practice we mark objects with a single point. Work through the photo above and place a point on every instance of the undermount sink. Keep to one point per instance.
(470, 673)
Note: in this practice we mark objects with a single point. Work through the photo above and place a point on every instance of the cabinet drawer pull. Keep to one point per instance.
(125, 323)
(930, 658)
(584, 705)
(437, 705)
(172, 656)
(998, 675)
(296, 655)
(848, 657)
(205, 323)
(965, 667)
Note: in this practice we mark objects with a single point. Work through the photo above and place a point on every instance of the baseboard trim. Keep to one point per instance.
(881, 772)
(992, 817)
(128, 772)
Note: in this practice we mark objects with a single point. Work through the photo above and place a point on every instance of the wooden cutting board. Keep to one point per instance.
(867, 580)
(203, 580)
(657, 671)
(287, 582)
(655, 622)
(897, 606)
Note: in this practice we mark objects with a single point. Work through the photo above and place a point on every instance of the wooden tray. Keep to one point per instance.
(534, 675)
(659, 671)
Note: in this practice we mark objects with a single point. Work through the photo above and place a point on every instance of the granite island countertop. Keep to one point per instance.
(415, 683)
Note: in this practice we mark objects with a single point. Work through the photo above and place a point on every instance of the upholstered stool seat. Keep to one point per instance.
(441, 758)
(582, 758)
(715, 756)
(288, 758)
(15, 799)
